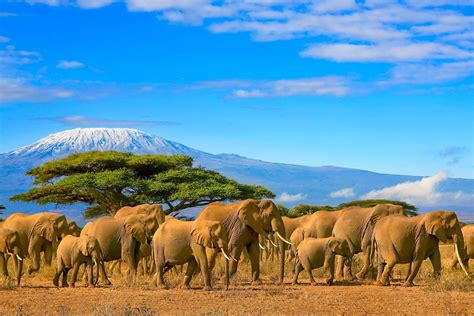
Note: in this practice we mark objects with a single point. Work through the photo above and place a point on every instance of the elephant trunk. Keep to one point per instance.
(458, 248)
(279, 229)
(227, 274)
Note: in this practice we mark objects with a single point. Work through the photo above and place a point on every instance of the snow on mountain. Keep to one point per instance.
(301, 184)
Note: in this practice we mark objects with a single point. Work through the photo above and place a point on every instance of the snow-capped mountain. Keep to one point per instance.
(294, 183)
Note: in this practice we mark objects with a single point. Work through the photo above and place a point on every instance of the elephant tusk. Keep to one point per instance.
(271, 241)
(456, 249)
(283, 239)
(19, 258)
(234, 259)
(225, 255)
(261, 247)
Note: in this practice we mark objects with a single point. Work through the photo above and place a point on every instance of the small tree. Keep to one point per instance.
(304, 209)
(409, 208)
(283, 210)
(110, 180)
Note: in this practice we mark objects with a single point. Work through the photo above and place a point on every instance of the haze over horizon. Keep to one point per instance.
(384, 86)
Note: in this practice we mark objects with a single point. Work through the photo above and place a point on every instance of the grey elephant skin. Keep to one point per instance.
(10, 246)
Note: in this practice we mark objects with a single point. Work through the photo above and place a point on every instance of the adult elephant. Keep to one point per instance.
(37, 234)
(356, 225)
(400, 239)
(10, 245)
(244, 221)
(74, 229)
(468, 235)
(119, 238)
(178, 242)
(155, 210)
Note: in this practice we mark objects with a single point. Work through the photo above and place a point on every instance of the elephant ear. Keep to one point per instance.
(435, 226)
(333, 243)
(202, 233)
(83, 246)
(249, 214)
(47, 229)
(134, 230)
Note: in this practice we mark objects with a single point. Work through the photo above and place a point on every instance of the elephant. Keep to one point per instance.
(37, 234)
(178, 242)
(314, 253)
(468, 235)
(143, 209)
(74, 251)
(74, 229)
(119, 238)
(356, 224)
(400, 239)
(292, 223)
(244, 221)
(10, 245)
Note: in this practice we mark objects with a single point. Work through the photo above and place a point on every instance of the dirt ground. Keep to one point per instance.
(453, 294)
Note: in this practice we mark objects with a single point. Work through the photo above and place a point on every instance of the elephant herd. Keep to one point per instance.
(383, 234)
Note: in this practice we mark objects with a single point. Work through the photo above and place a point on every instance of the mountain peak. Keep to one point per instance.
(86, 139)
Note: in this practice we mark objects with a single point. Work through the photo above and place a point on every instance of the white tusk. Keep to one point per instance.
(261, 247)
(271, 241)
(225, 255)
(459, 259)
(283, 239)
(234, 259)
(19, 258)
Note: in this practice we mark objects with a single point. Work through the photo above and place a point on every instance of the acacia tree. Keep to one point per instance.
(303, 209)
(109, 180)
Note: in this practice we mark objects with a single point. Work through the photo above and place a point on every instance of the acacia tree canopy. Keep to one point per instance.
(109, 180)
(303, 209)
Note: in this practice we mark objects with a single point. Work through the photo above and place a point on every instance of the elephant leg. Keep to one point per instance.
(415, 266)
(408, 271)
(48, 254)
(3, 265)
(160, 269)
(64, 280)
(380, 268)
(190, 271)
(366, 265)
(385, 279)
(329, 269)
(348, 276)
(59, 271)
(235, 252)
(75, 269)
(35, 258)
(435, 259)
(105, 279)
(297, 271)
(254, 256)
(340, 268)
(201, 259)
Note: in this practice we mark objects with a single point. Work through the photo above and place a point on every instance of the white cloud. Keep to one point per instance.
(332, 86)
(385, 52)
(18, 89)
(4, 39)
(70, 64)
(343, 193)
(10, 55)
(285, 197)
(7, 14)
(429, 74)
(423, 192)
(93, 4)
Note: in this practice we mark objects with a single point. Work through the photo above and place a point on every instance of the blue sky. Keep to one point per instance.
(385, 86)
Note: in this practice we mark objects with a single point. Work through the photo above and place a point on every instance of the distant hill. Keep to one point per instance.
(303, 184)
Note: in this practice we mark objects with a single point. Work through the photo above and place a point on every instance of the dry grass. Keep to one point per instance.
(453, 293)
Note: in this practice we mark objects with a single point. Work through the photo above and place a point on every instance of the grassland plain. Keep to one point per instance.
(452, 294)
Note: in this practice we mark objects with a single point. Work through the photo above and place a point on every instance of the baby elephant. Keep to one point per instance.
(72, 253)
(314, 253)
